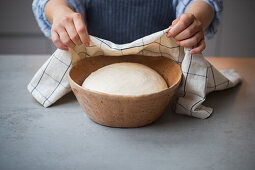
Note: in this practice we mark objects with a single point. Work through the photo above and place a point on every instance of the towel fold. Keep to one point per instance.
(50, 82)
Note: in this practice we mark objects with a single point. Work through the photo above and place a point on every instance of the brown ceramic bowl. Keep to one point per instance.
(118, 110)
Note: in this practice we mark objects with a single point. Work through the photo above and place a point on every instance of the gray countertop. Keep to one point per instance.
(63, 137)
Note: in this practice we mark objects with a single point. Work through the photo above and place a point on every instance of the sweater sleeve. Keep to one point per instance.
(38, 10)
(217, 7)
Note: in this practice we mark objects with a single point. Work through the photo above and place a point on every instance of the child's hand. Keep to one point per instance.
(68, 29)
(188, 32)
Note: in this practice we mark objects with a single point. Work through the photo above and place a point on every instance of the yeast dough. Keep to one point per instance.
(125, 79)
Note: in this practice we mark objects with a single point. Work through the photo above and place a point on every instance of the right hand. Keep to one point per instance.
(68, 29)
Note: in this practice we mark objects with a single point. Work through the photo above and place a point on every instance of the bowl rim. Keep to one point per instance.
(71, 81)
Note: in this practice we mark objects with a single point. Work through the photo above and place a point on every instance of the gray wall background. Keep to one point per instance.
(19, 33)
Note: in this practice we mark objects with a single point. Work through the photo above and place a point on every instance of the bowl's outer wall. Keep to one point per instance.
(124, 111)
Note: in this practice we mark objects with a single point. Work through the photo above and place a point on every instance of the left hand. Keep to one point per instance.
(187, 30)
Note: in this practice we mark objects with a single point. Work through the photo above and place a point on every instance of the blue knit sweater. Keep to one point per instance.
(123, 21)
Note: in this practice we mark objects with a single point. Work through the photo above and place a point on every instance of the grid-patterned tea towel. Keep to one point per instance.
(199, 77)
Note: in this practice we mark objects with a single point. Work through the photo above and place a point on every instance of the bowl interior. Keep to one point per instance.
(166, 67)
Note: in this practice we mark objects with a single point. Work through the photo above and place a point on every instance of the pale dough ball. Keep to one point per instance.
(125, 79)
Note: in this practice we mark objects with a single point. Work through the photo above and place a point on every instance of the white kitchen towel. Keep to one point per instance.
(50, 82)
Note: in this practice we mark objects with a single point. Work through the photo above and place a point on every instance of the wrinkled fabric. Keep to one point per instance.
(199, 78)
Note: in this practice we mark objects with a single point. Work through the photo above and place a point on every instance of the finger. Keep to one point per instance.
(175, 21)
(56, 41)
(64, 37)
(171, 26)
(188, 32)
(201, 46)
(73, 34)
(181, 25)
(193, 41)
(81, 28)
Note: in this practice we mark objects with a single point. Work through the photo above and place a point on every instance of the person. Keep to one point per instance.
(69, 22)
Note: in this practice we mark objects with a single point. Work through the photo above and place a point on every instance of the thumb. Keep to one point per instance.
(175, 21)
